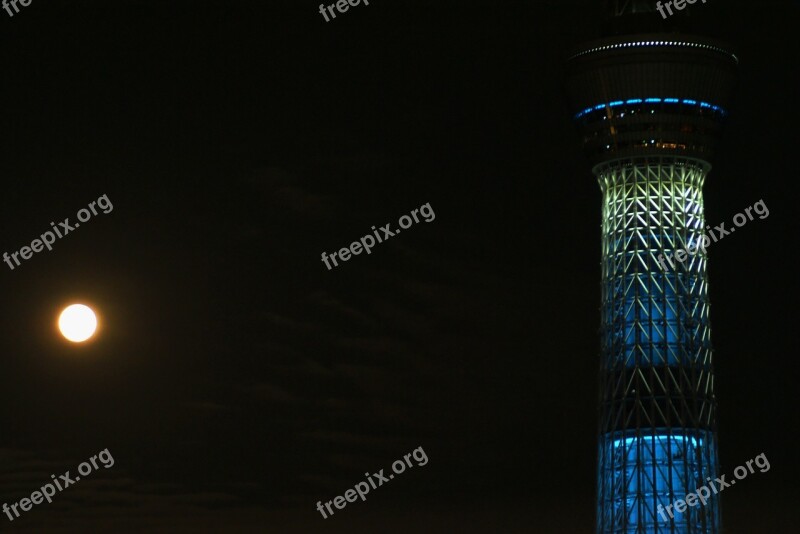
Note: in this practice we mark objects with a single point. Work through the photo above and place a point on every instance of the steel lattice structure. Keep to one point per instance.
(656, 375)
(649, 107)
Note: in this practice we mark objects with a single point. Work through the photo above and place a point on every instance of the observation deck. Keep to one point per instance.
(662, 94)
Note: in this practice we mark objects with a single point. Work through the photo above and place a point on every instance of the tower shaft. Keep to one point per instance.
(650, 108)
(657, 414)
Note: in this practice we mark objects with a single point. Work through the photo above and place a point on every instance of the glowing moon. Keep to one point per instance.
(77, 323)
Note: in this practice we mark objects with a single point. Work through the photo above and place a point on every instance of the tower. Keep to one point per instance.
(649, 98)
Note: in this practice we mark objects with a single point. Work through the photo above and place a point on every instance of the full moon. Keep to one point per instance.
(77, 323)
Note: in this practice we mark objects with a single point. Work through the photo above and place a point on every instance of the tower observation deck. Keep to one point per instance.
(649, 102)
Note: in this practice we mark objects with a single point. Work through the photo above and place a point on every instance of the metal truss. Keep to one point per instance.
(617, 8)
(657, 421)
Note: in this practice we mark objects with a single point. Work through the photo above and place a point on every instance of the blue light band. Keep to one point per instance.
(685, 101)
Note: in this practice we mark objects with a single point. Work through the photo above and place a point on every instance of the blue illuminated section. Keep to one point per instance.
(664, 344)
(647, 326)
(660, 311)
(652, 100)
(641, 475)
(630, 443)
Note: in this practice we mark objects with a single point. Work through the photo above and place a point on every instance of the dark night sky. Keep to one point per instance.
(237, 381)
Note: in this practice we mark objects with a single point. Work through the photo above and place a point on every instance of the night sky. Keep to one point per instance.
(236, 381)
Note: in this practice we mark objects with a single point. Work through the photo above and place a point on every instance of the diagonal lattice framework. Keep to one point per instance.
(657, 421)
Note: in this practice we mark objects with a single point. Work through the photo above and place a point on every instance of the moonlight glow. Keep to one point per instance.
(77, 323)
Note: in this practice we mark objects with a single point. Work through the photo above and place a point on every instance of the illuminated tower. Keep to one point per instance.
(649, 100)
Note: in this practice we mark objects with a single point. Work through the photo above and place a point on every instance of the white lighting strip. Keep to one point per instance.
(655, 43)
